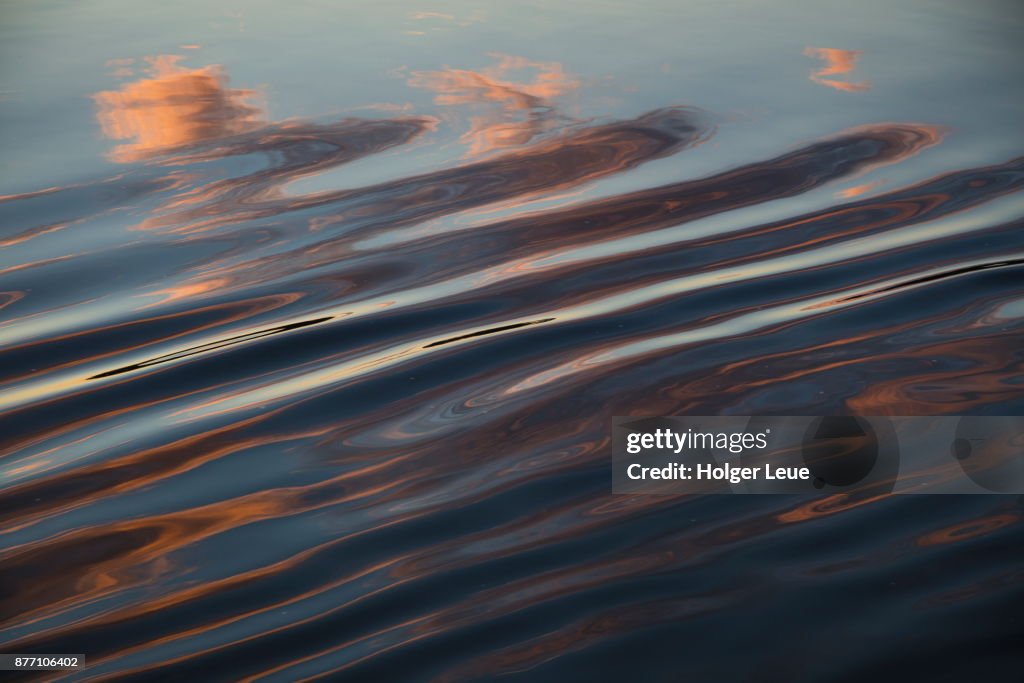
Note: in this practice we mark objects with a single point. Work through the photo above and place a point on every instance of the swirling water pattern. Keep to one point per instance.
(329, 396)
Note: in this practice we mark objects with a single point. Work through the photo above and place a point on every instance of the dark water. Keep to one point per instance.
(314, 317)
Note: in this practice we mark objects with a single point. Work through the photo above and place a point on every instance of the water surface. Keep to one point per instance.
(314, 316)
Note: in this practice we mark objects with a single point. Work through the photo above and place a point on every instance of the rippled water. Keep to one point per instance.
(314, 317)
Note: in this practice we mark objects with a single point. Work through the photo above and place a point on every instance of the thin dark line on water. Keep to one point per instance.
(935, 277)
(490, 330)
(212, 346)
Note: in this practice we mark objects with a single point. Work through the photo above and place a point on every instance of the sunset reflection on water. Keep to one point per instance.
(314, 317)
(172, 107)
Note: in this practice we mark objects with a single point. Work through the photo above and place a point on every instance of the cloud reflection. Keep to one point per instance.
(836, 63)
(509, 112)
(173, 107)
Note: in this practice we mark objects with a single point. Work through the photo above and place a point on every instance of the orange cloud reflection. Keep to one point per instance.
(858, 190)
(172, 107)
(512, 113)
(837, 63)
